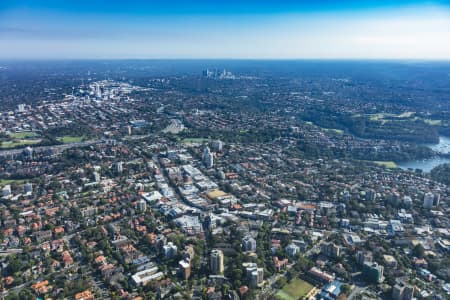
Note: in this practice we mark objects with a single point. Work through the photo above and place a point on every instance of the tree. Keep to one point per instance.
(419, 251)
(281, 282)
(225, 289)
(26, 295)
(345, 289)
(14, 264)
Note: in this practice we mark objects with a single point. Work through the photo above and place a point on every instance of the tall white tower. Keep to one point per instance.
(208, 158)
(428, 200)
(216, 261)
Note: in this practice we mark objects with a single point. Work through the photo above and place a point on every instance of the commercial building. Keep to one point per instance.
(373, 272)
(217, 145)
(330, 291)
(119, 167)
(363, 257)
(330, 250)
(292, 250)
(142, 205)
(28, 188)
(428, 200)
(185, 268)
(208, 158)
(249, 244)
(216, 261)
(402, 291)
(254, 274)
(170, 250)
(143, 277)
(6, 192)
(390, 261)
(320, 275)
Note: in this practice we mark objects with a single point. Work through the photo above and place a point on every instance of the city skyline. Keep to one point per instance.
(225, 30)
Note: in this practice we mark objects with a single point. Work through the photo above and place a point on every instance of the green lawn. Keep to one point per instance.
(22, 135)
(407, 116)
(387, 164)
(4, 182)
(296, 289)
(340, 131)
(17, 143)
(194, 140)
(67, 139)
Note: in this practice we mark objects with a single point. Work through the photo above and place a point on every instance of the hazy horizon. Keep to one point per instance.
(240, 30)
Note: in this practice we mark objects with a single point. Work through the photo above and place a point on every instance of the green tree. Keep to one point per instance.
(26, 295)
(14, 264)
(345, 289)
(419, 251)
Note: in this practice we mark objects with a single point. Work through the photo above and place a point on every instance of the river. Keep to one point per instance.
(427, 165)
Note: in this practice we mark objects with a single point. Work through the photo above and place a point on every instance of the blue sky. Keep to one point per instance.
(264, 29)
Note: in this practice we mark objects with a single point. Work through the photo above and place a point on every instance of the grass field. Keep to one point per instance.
(67, 139)
(194, 140)
(22, 135)
(296, 289)
(17, 143)
(340, 131)
(407, 116)
(4, 182)
(387, 164)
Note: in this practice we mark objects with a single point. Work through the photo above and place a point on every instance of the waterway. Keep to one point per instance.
(426, 165)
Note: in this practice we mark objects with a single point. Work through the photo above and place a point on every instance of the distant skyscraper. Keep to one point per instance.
(216, 261)
(142, 205)
(98, 90)
(249, 243)
(370, 195)
(218, 74)
(28, 187)
(428, 200)
(96, 177)
(21, 107)
(28, 152)
(217, 145)
(436, 200)
(407, 201)
(6, 191)
(119, 167)
(208, 158)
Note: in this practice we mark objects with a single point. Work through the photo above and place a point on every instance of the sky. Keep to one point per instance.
(224, 29)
